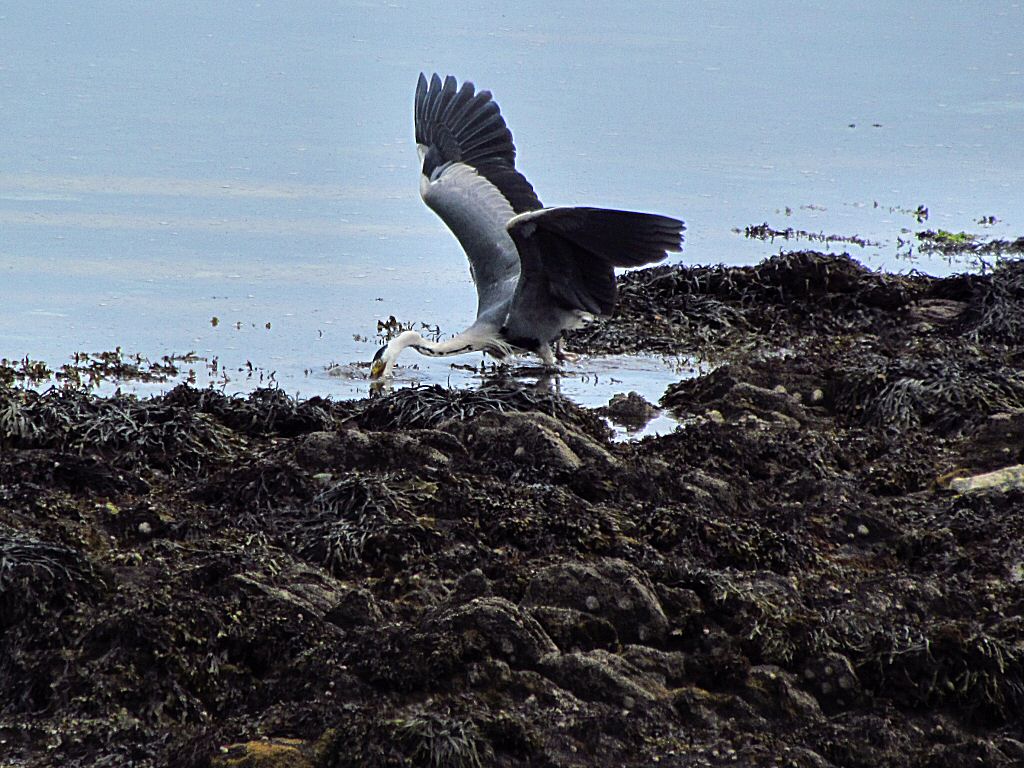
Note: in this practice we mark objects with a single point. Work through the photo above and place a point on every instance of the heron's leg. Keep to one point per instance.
(561, 354)
(546, 356)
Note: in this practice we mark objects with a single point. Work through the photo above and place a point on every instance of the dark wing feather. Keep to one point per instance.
(572, 279)
(620, 238)
(461, 125)
(573, 253)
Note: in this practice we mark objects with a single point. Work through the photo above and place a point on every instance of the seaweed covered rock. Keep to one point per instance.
(996, 304)
(602, 676)
(412, 736)
(821, 565)
(530, 440)
(498, 627)
(948, 393)
(610, 589)
(686, 309)
(630, 410)
(425, 407)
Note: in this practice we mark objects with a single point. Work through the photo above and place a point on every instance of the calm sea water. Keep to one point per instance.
(165, 164)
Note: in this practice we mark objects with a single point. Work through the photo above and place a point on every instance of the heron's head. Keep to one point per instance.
(384, 360)
(379, 364)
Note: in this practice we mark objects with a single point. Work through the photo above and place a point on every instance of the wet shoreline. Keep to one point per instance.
(804, 569)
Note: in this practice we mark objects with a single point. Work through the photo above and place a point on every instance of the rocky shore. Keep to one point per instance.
(822, 566)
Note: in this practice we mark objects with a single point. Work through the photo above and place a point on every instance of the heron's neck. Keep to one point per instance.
(474, 339)
(406, 339)
(456, 345)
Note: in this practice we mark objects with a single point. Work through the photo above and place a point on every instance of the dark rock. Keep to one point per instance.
(629, 410)
(935, 311)
(354, 448)
(530, 440)
(712, 711)
(481, 577)
(505, 630)
(730, 392)
(832, 679)
(775, 693)
(667, 667)
(602, 676)
(612, 589)
(574, 630)
(356, 608)
(470, 585)
(306, 589)
(682, 607)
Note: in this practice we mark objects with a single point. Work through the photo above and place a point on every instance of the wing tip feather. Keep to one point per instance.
(466, 126)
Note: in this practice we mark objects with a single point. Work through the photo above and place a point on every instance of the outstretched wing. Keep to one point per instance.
(569, 257)
(469, 179)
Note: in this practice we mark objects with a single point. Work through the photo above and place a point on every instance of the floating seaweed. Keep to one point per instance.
(765, 232)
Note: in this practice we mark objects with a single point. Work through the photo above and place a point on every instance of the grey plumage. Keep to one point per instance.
(538, 271)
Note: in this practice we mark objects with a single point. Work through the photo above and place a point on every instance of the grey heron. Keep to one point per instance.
(538, 271)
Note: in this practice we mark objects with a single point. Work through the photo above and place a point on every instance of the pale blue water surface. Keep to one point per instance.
(164, 164)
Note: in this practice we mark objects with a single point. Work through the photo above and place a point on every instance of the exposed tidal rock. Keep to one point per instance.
(602, 676)
(483, 577)
(999, 481)
(497, 625)
(609, 588)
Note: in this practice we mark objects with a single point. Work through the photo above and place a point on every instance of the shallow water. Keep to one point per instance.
(239, 179)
